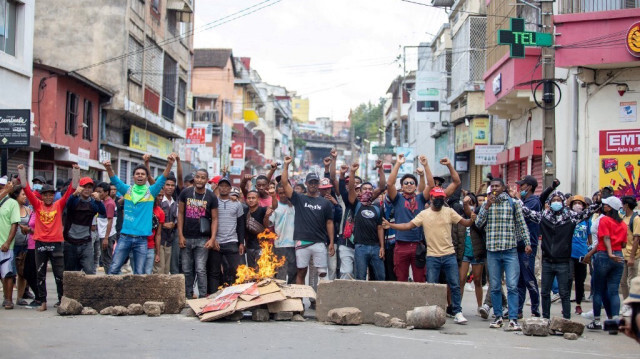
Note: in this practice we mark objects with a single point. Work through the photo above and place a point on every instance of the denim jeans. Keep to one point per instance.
(606, 281)
(176, 265)
(528, 281)
(506, 262)
(149, 261)
(561, 273)
(227, 259)
(194, 255)
(449, 265)
(127, 244)
(366, 255)
(347, 259)
(79, 257)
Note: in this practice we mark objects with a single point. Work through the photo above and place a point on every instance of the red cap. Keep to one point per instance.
(325, 183)
(437, 192)
(85, 181)
(215, 179)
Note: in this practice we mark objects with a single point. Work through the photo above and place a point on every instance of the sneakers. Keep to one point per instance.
(7, 304)
(505, 313)
(626, 311)
(589, 299)
(21, 302)
(449, 312)
(57, 304)
(33, 305)
(578, 310)
(594, 325)
(483, 311)
(469, 287)
(513, 326)
(496, 323)
(555, 297)
(28, 295)
(460, 319)
(588, 315)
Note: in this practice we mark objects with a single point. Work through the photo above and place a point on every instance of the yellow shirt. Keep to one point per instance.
(626, 251)
(437, 229)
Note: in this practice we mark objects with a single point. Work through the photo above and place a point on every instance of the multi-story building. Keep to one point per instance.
(138, 50)
(277, 126)
(16, 61)
(396, 111)
(300, 109)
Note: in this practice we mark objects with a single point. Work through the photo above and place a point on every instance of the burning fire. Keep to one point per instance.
(267, 263)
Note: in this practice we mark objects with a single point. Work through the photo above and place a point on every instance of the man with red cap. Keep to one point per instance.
(81, 207)
(436, 222)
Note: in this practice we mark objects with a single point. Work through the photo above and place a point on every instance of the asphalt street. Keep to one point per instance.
(28, 333)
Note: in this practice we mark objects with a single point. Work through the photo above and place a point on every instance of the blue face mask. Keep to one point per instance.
(37, 186)
(556, 206)
(523, 193)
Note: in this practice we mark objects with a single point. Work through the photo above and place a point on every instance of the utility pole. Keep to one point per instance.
(549, 113)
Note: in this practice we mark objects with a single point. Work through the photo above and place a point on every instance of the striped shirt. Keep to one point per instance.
(228, 214)
(504, 228)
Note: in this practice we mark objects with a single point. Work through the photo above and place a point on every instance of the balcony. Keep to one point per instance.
(206, 116)
(582, 6)
(468, 62)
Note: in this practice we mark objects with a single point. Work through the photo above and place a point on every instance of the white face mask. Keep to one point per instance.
(577, 207)
(472, 208)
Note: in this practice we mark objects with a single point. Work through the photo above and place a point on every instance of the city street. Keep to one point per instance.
(28, 333)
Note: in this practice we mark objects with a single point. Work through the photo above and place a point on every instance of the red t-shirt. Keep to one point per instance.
(151, 240)
(616, 231)
(48, 218)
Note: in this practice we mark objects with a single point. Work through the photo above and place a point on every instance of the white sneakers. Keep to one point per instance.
(588, 315)
(626, 311)
(460, 319)
(483, 311)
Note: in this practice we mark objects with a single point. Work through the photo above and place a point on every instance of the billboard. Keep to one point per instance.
(619, 161)
(429, 87)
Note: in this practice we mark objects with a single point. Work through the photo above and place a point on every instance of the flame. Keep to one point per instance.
(268, 262)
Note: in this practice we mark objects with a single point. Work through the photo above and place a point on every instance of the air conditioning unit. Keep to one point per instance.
(443, 3)
(445, 123)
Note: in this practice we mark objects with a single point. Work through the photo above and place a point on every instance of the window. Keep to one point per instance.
(138, 7)
(182, 94)
(71, 125)
(169, 82)
(87, 122)
(172, 24)
(135, 59)
(155, 6)
(8, 27)
(123, 172)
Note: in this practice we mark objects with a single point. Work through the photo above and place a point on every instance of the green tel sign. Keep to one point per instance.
(518, 38)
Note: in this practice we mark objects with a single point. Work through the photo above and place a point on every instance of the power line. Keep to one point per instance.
(466, 12)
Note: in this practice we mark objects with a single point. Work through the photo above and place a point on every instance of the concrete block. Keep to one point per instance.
(382, 320)
(69, 306)
(538, 327)
(566, 326)
(397, 323)
(283, 316)
(570, 336)
(106, 311)
(260, 315)
(236, 316)
(393, 298)
(298, 318)
(104, 291)
(426, 317)
(88, 311)
(346, 316)
(119, 310)
(135, 309)
(153, 309)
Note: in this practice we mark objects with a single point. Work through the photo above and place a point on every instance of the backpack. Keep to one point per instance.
(350, 222)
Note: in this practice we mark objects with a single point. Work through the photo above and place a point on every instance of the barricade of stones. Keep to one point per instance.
(70, 306)
(541, 327)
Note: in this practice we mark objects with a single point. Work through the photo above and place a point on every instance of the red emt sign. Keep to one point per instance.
(621, 142)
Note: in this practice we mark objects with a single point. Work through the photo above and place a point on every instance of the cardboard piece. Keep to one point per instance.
(287, 305)
(269, 288)
(198, 304)
(211, 316)
(263, 299)
(298, 291)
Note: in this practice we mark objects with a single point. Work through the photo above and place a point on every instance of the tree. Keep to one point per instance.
(366, 119)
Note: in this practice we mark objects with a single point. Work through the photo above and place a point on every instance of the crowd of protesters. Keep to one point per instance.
(331, 225)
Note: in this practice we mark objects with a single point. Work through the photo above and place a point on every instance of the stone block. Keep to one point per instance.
(570, 336)
(346, 316)
(283, 316)
(393, 298)
(382, 320)
(106, 311)
(397, 323)
(260, 315)
(234, 317)
(566, 326)
(104, 291)
(153, 309)
(88, 311)
(538, 327)
(427, 317)
(119, 310)
(298, 318)
(135, 309)
(153, 303)
(69, 306)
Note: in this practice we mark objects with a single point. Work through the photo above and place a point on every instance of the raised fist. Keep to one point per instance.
(288, 160)
(401, 160)
(378, 164)
(445, 161)
(354, 167)
(334, 153)
(423, 160)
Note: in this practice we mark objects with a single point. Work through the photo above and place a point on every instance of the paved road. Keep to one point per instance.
(27, 333)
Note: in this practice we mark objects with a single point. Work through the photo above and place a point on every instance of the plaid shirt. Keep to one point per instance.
(503, 227)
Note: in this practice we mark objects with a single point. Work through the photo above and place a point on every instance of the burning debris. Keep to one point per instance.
(255, 288)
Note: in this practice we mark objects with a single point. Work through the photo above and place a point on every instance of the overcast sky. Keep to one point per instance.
(338, 53)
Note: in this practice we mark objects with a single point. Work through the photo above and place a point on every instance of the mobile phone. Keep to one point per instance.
(581, 259)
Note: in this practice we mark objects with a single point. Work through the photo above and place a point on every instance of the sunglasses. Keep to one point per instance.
(408, 183)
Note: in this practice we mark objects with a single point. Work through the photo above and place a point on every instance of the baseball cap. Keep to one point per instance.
(215, 179)
(47, 188)
(324, 183)
(530, 180)
(224, 179)
(85, 181)
(439, 179)
(613, 202)
(312, 177)
(437, 192)
(188, 178)
(39, 178)
(235, 191)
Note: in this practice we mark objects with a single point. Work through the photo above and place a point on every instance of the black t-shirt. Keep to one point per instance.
(195, 206)
(252, 239)
(366, 222)
(312, 214)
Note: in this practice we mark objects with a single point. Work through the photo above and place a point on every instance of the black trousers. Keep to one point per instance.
(579, 275)
(30, 272)
(45, 252)
(222, 265)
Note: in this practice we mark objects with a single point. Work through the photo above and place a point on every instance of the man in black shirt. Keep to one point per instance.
(197, 227)
(255, 225)
(313, 224)
(368, 231)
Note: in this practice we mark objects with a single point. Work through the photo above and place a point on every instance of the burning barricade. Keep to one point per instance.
(255, 288)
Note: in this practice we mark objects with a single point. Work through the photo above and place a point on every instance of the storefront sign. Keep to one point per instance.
(15, 128)
(150, 142)
(487, 155)
(620, 160)
(462, 162)
(83, 158)
(477, 133)
(237, 150)
(633, 39)
(195, 137)
(628, 111)
(517, 38)
(380, 150)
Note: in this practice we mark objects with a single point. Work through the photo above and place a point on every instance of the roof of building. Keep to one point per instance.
(212, 58)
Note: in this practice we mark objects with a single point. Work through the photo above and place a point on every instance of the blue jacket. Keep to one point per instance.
(533, 203)
(138, 217)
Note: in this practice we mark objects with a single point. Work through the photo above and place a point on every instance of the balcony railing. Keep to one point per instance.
(206, 116)
(580, 6)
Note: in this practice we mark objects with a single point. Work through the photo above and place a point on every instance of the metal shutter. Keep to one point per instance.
(536, 171)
